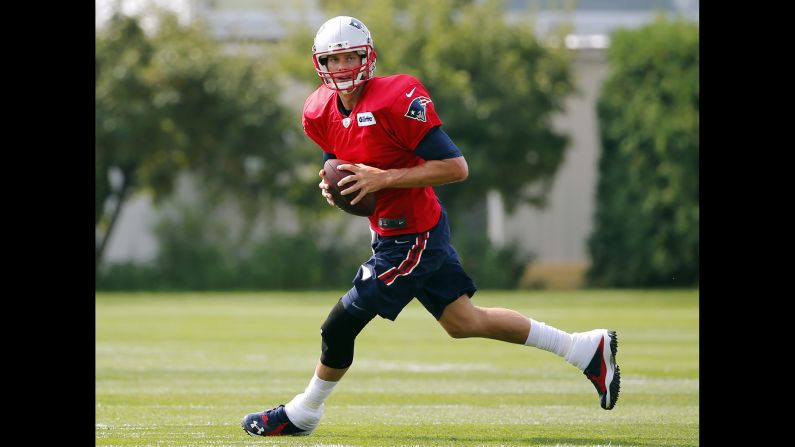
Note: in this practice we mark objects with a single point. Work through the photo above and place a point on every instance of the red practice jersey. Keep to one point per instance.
(390, 119)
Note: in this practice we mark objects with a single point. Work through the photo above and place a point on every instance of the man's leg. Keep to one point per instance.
(329, 374)
(302, 414)
(461, 319)
(592, 352)
(306, 409)
(338, 333)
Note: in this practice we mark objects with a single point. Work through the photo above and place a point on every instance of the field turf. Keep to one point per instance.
(182, 369)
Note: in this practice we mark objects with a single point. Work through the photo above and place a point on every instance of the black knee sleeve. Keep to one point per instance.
(338, 333)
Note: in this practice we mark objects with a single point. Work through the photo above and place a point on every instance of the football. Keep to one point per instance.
(365, 207)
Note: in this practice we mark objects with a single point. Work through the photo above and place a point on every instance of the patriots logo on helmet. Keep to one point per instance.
(417, 108)
(356, 24)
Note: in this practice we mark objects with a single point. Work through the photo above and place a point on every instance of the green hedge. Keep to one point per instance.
(646, 228)
(282, 262)
(286, 263)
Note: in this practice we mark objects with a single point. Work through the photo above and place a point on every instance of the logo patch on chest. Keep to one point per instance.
(365, 119)
(346, 122)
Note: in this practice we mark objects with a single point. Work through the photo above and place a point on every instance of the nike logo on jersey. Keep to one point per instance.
(408, 95)
(402, 242)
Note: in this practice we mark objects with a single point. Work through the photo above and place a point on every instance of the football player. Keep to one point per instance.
(389, 130)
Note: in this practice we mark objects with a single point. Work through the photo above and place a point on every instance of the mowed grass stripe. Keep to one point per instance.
(182, 369)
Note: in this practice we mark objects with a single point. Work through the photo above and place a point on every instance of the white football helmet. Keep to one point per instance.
(340, 35)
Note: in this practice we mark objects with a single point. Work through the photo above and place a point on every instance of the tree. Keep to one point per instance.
(646, 229)
(124, 118)
(171, 102)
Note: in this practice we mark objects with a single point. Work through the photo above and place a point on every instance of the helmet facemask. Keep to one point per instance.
(346, 80)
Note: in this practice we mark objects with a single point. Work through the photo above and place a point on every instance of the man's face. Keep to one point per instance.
(342, 62)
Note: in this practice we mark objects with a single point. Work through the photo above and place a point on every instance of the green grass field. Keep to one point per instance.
(183, 369)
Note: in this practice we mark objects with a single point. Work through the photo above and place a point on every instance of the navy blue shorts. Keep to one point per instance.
(422, 265)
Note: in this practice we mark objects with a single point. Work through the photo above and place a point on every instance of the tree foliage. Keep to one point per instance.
(646, 230)
(171, 101)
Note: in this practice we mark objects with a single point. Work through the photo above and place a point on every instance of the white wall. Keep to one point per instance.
(132, 238)
(559, 233)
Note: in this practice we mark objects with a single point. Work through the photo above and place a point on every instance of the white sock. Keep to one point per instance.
(317, 391)
(583, 347)
(548, 338)
(306, 409)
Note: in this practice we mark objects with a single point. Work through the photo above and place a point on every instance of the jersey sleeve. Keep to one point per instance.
(437, 145)
(412, 115)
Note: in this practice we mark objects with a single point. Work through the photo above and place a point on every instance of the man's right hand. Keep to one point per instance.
(324, 188)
